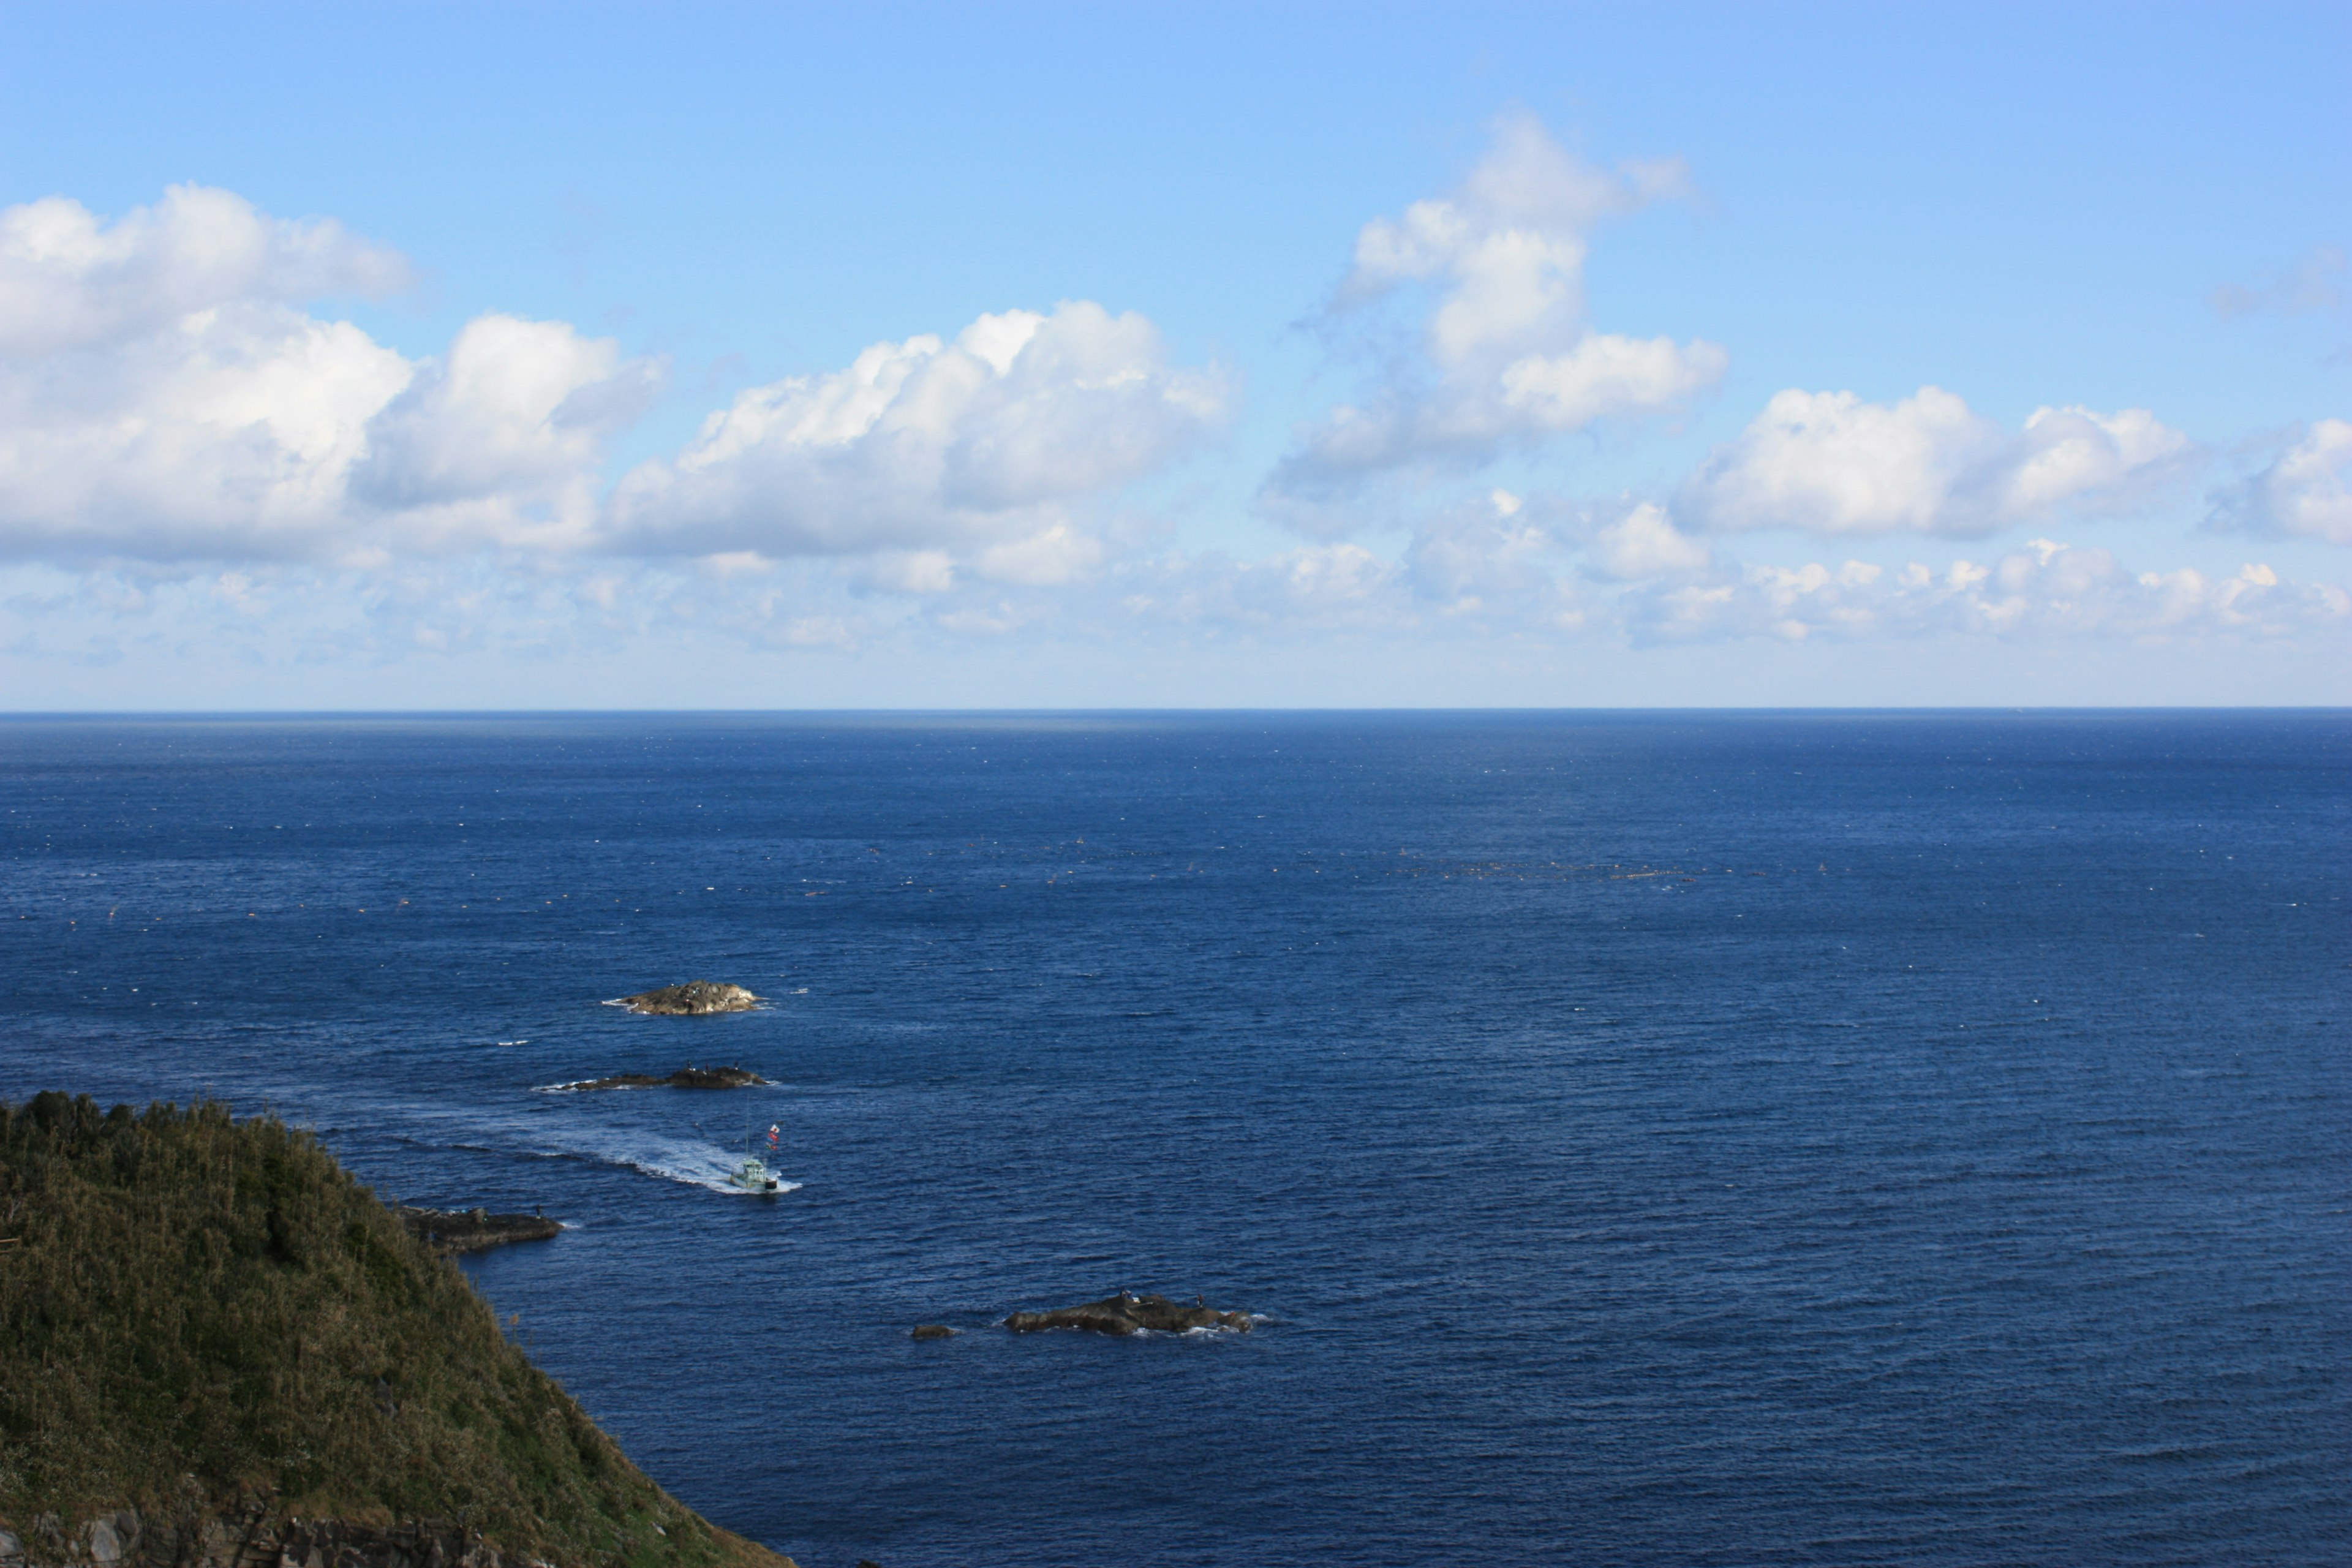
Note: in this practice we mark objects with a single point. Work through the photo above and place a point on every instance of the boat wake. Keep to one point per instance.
(693, 1164)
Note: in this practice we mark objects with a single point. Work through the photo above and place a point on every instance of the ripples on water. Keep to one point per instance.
(1662, 1139)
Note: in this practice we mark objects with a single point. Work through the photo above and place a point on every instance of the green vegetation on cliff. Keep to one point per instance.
(194, 1310)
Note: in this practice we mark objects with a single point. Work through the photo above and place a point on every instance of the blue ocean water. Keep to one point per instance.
(1648, 1138)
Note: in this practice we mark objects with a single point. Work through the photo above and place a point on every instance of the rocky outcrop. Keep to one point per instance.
(472, 1230)
(254, 1535)
(689, 1077)
(692, 999)
(250, 1537)
(1126, 1314)
(932, 1331)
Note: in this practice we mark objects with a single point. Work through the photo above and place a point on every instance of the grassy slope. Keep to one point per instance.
(194, 1296)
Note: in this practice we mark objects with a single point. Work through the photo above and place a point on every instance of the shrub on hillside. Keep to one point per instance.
(191, 1303)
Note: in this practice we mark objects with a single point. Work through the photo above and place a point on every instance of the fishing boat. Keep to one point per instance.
(753, 1176)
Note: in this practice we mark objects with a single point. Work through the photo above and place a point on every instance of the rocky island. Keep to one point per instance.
(218, 1350)
(473, 1230)
(1126, 1314)
(687, 1077)
(693, 999)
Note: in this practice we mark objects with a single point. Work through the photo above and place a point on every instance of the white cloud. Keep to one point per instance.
(1312, 589)
(1506, 355)
(2306, 493)
(911, 572)
(516, 413)
(1493, 560)
(1474, 579)
(67, 280)
(230, 432)
(925, 444)
(1604, 375)
(1044, 559)
(164, 395)
(1829, 463)
(2045, 589)
(1645, 543)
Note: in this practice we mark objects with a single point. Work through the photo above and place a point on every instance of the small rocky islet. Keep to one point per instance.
(694, 999)
(1126, 1314)
(687, 1077)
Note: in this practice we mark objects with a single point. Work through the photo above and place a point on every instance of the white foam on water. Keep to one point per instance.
(693, 1164)
(694, 1161)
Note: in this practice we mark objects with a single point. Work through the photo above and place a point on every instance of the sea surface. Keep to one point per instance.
(1670, 1138)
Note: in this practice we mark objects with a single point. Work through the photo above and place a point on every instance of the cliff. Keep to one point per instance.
(218, 1348)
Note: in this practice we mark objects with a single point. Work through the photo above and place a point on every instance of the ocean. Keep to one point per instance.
(1644, 1138)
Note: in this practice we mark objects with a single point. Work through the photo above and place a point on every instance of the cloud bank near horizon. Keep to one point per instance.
(183, 428)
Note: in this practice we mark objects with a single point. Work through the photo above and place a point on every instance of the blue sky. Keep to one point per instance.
(736, 356)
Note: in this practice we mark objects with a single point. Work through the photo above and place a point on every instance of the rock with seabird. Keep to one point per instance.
(691, 1000)
(687, 1077)
(1126, 1314)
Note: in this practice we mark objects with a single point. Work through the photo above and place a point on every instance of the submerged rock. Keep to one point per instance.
(472, 1230)
(1126, 1314)
(687, 1077)
(692, 999)
(932, 1331)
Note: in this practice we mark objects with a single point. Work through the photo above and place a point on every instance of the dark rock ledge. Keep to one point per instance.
(692, 999)
(1126, 1314)
(687, 1077)
(473, 1230)
(246, 1539)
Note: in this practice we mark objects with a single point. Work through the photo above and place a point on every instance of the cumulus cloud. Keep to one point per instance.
(1827, 462)
(1506, 355)
(67, 279)
(2307, 492)
(229, 432)
(516, 414)
(164, 395)
(1645, 543)
(983, 445)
